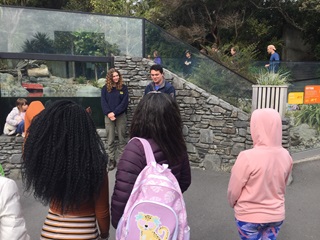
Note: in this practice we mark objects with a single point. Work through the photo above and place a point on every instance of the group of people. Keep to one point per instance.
(65, 164)
(187, 66)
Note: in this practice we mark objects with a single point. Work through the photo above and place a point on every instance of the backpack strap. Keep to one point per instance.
(148, 151)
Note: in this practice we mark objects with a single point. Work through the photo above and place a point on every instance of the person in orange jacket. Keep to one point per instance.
(34, 109)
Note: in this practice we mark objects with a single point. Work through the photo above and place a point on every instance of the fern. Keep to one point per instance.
(309, 114)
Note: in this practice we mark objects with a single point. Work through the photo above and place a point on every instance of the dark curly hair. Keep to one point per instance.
(64, 160)
(157, 116)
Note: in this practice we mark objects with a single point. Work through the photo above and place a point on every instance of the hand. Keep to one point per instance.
(112, 118)
(267, 65)
(111, 115)
(88, 110)
(18, 119)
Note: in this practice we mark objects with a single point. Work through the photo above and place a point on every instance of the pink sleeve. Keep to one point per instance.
(240, 174)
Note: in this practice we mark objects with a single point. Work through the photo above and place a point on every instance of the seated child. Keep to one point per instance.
(15, 120)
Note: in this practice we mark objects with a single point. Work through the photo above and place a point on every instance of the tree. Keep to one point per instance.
(310, 5)
(40, 43)
(79, 5)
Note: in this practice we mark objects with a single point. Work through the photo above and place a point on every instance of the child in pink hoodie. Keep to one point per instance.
(258, 179)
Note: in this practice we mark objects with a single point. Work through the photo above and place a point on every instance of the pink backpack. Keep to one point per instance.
(155, 209)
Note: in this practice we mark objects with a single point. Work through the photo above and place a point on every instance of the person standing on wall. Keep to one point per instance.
(158, 83)
(274, 61)
(188, 64)
(157, 58)
(114, 103)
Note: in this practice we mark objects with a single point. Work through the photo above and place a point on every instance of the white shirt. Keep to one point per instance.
(12, 224)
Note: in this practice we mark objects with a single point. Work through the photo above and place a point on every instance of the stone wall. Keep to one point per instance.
(215, 131)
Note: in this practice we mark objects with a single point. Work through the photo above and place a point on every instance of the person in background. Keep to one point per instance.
(34, 109)
(215, 52)
(157, 119)
(12, 223)
(158, 83)
(114, 103)
(65, 166)
(274, 62)
(233, 51)
(15, 119)
(258, 179)
(204, 51)
(234, 56)
(188, 63)
(214, 48)
(157, 58)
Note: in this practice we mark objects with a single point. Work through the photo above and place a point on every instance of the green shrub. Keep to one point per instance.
(309, 114)
(81, 79)
(269, 78)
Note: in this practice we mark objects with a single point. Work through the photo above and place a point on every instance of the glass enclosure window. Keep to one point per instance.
(202, 70)
(57, 32)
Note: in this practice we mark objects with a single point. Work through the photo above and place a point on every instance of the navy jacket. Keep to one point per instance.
(115, 101)
(165, 87)
(131, 163)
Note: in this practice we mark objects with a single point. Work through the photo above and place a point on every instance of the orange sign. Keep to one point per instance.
(312, 94)
(295, 98)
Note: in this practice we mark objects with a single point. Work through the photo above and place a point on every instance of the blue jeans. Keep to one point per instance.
(258, 231)
(20, 127)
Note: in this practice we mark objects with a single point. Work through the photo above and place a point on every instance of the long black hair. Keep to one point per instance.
(64, 160)
(157, 116)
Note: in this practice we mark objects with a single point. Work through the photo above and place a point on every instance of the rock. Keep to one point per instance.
(43, 71)
(88, 91)
(101, 82)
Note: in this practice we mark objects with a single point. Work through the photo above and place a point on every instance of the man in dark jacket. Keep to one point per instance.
(158, 82)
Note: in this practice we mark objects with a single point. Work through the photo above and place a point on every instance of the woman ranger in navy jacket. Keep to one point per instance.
(114, 103)
(157, 119)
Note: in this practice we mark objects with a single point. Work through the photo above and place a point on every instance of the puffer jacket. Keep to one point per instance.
(12, 224)
(131, 163)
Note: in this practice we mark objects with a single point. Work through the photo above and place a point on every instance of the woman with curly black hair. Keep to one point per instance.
(114, 103)
(65, 164)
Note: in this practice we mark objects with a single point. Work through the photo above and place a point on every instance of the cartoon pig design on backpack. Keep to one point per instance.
(155, 209)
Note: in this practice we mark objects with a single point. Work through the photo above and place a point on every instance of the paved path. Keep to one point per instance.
(209, 215)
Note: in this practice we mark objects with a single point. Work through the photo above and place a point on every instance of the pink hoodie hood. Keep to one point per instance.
(266, 128)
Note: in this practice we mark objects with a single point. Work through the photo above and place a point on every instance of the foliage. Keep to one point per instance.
(310, 5)
(93, 44)
(317, 51)
(170, 49)
(79, 5)
(270, 78)
(204, 22)
(95, 84)
(309, 114)
(81, 80)
(3, 64)
(219, 81)
(40, 43)
(241, 62)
